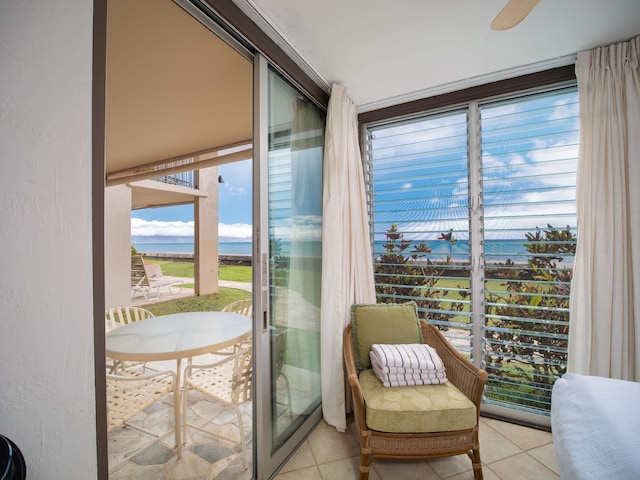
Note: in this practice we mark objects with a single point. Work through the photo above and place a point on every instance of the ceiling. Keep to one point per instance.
(386, 53)
(173, 87)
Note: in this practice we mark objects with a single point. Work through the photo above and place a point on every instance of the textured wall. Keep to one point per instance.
(47, 398)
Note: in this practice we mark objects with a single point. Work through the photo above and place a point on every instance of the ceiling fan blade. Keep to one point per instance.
(513, 13)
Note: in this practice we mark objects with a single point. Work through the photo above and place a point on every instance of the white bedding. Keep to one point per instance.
(595, 423)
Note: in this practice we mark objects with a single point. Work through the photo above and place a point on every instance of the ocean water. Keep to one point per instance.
(495, 250)
(229, 248)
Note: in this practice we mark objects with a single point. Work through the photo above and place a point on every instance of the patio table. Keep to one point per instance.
(176, 336)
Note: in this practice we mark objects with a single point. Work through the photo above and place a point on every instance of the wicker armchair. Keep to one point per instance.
(461, 373)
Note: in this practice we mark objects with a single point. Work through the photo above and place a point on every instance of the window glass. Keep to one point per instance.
(495, 182)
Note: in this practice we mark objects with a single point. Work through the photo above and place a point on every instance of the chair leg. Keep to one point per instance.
(243, 442)
(289, 405)
(176, 419)
(185, 400)
(477, 464)
(365, 466)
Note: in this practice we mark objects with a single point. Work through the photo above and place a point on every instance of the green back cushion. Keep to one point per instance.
(383, 323)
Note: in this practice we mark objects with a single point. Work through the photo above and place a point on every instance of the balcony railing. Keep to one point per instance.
(184, 179)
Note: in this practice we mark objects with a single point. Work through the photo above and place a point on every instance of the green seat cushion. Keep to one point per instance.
(413, 409)
(383, 323)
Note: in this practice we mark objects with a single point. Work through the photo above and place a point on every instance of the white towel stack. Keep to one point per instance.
(407, 364)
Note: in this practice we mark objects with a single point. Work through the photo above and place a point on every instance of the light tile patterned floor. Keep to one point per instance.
(509, 452)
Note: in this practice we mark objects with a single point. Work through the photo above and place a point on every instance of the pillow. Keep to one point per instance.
(383, 323)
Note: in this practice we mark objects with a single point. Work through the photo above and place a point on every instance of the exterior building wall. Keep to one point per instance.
(46, 288)
(117, 246)
(206, 232)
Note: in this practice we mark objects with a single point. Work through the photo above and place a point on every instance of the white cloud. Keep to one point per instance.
(235, 230)
(157, 227)
(233, 190)
(140, 227)
(302, 228)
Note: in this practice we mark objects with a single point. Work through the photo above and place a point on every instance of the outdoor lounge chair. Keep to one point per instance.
(421, 421)
(149, 282)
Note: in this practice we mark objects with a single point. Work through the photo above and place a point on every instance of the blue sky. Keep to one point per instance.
(235, 205)
(529, 149)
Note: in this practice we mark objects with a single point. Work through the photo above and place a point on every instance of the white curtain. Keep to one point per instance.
(347, 268)
(605, 296)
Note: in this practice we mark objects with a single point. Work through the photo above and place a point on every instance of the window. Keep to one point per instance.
(472, 214)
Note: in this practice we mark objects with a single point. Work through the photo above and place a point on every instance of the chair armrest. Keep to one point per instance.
(353, 379)
(469, 378)
(133, 376)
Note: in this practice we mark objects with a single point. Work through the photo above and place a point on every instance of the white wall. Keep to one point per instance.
(47, 397)
(117, 246)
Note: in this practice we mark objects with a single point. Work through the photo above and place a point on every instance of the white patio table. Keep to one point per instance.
(176, 336)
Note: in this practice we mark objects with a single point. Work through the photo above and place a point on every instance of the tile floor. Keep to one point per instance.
(509, 452)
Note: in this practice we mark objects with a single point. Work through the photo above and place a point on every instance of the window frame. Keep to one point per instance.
(472, 99)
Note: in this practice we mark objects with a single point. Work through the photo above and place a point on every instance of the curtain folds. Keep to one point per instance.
(347, 268)
(605, 296)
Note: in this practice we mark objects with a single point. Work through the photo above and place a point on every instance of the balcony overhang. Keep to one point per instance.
(176, 94)
(151, 193)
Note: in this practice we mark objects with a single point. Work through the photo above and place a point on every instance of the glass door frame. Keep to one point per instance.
(267, 462)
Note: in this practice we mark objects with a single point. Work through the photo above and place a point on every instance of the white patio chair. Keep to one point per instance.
(130, 392)
(118, 316)
(115, 317)
(228, 382)
(243, 307)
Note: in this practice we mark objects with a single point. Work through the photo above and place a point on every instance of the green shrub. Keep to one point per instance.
(404, 274)
(528, 325)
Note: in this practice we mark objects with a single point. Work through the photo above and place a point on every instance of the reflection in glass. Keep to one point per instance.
(296, 139)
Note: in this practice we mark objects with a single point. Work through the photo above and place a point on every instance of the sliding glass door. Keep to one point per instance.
(289, 248)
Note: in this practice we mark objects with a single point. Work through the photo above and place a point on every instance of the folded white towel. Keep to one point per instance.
(391, 380)
(406, 357)
(407, 364)
(375, 363)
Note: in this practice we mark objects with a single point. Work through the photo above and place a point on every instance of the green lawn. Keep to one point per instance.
(243, 274)
(204, 303)
(234, 273)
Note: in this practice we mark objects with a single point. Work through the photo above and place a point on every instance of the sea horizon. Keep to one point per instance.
(495, 250)
(225, 248)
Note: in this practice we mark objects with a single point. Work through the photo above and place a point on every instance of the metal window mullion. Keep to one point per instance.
(476, 234)
(366, 167)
